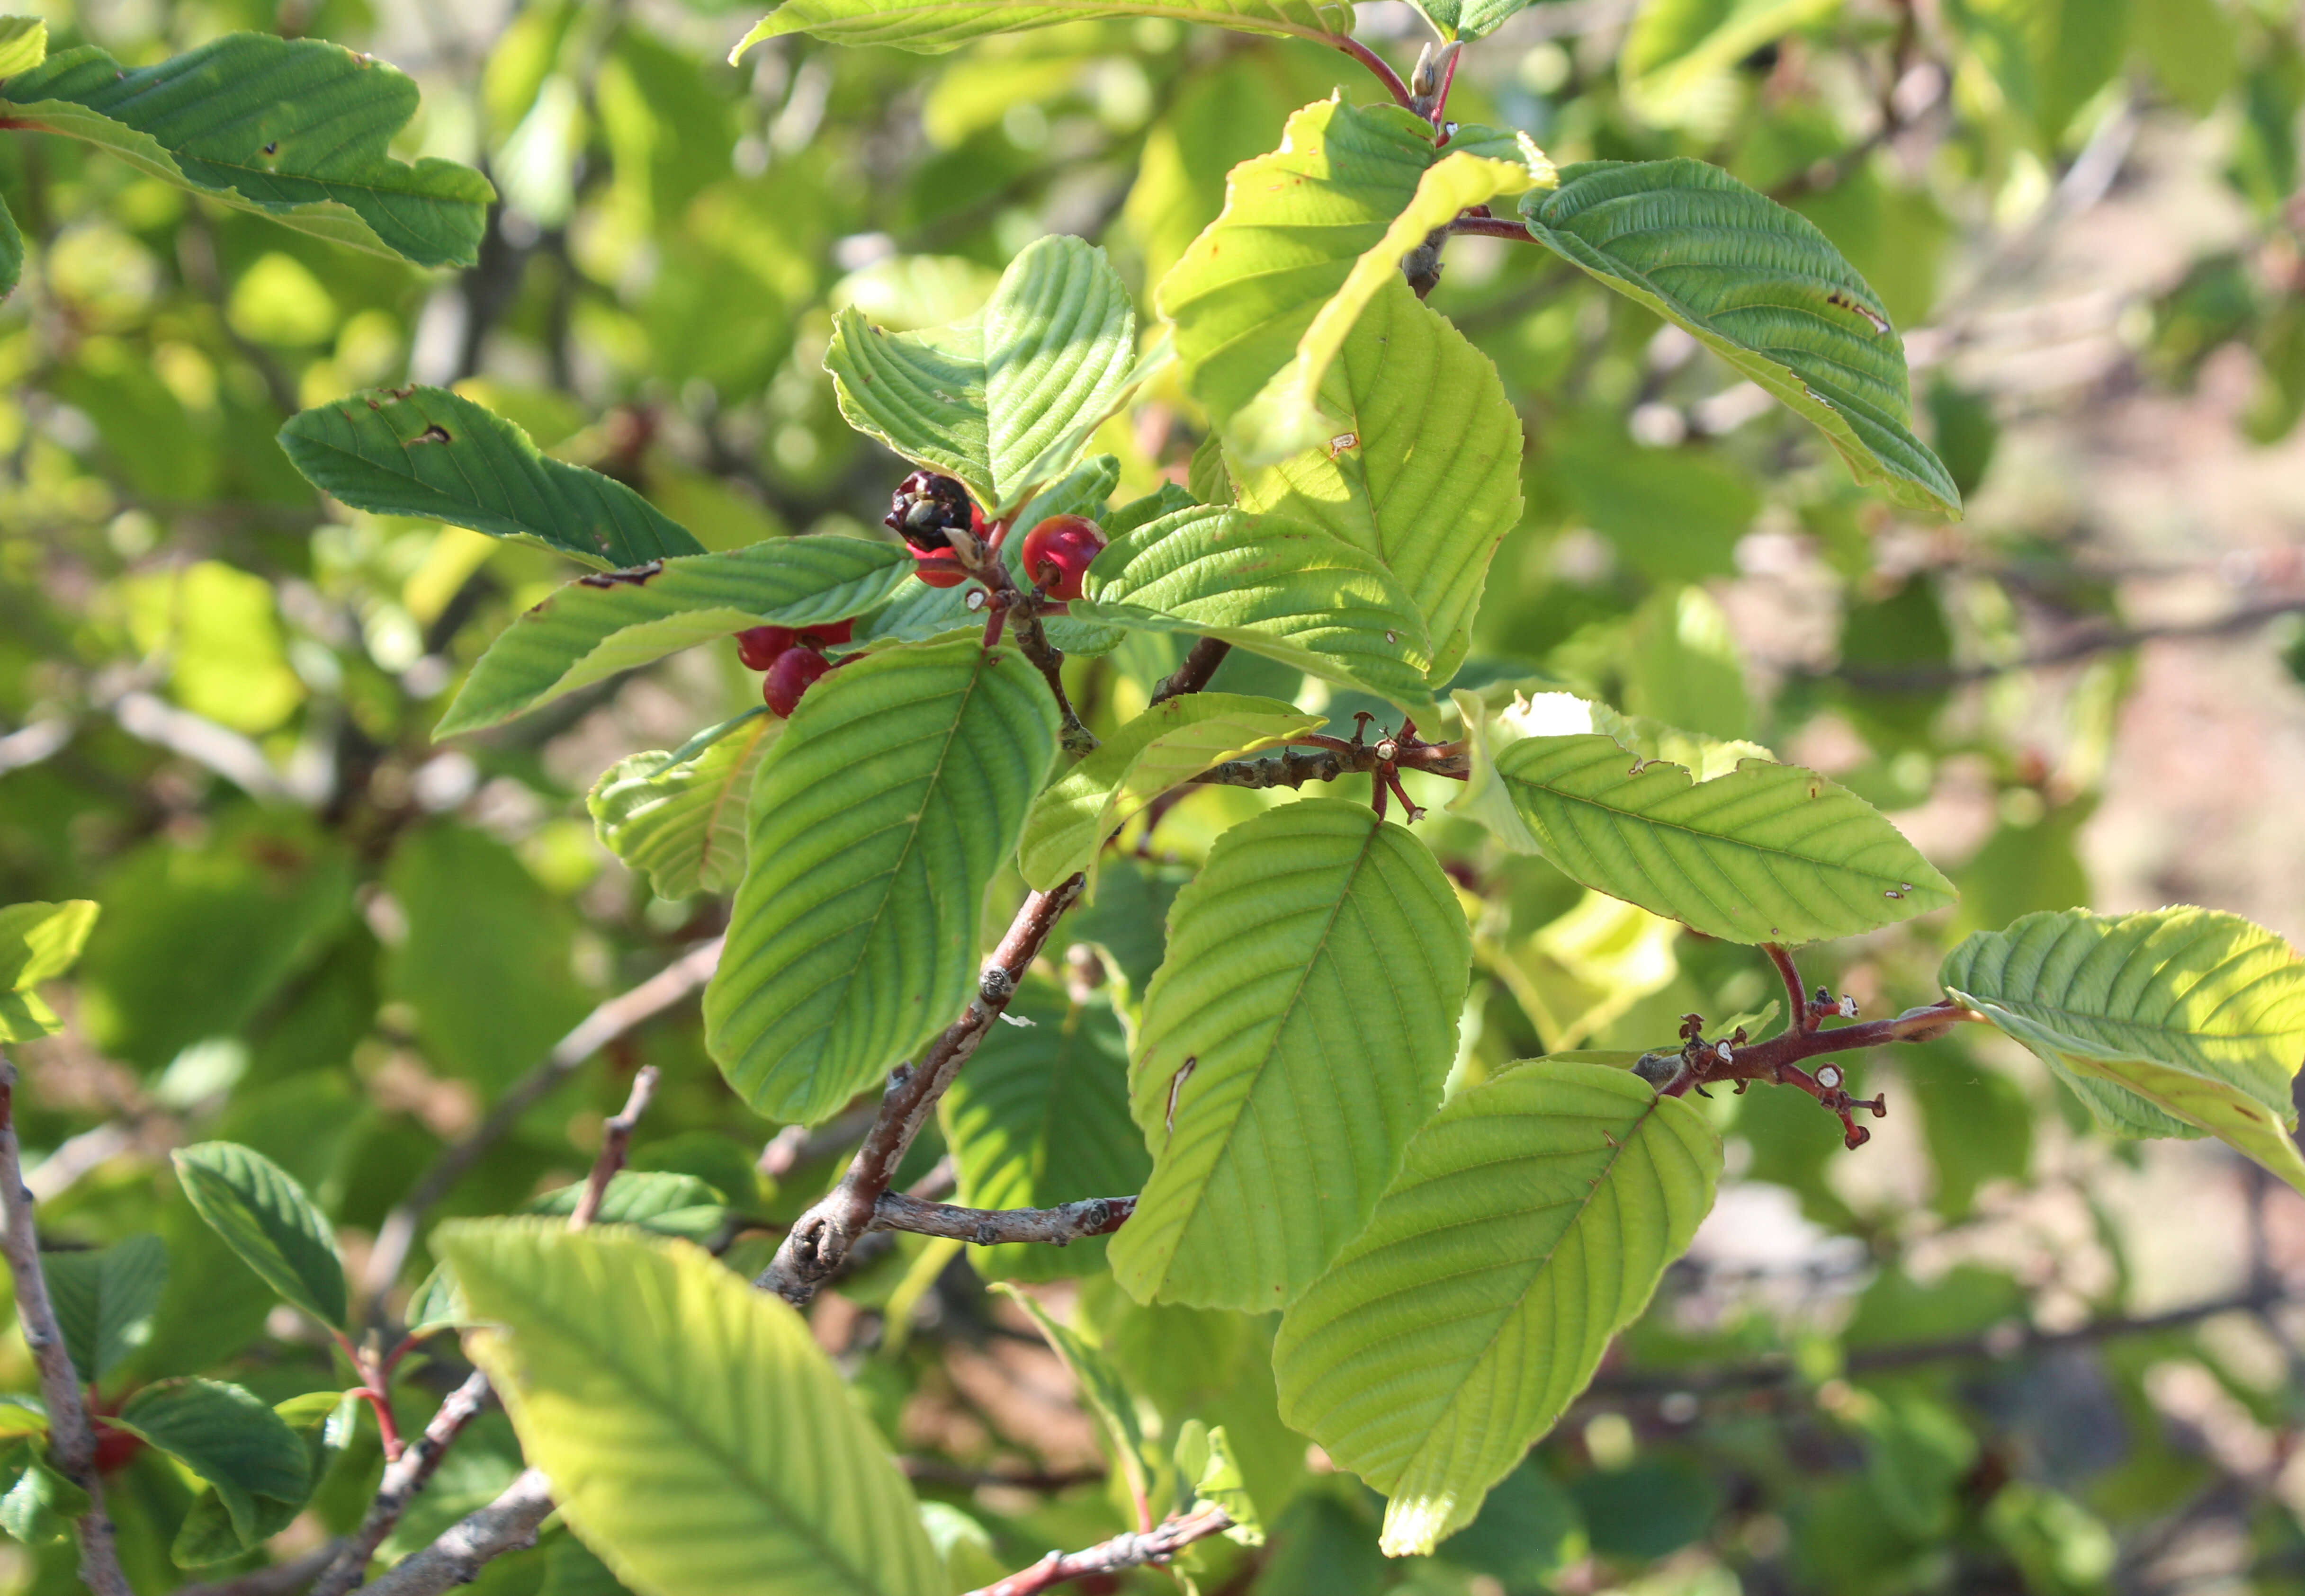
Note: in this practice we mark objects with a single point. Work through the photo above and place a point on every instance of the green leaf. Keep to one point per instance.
(37, 942)
(430, 454)
(1677, 52)
(265, 1217)
(1295, 225)
(1289, 415)
(1762, 852)
(601, 624)
(657, 1200)
(11, 253)
(41, 1504)
(1005, 400)
(23, 45)
(2165, 1024)
(684, 825)
(104, 1301)
(229, 1437)
(929, 26)
(1170, 743)
(694, 1436)
(1207, 1469)
(1108, 1397)
(1040, 1117)
(1429, 481)
(294, 130)
(1531, 1222)
(325, 1422)
(1287, 591)
(878, 821)
(1298, 1033)
(438, 1303)
(1763, 289)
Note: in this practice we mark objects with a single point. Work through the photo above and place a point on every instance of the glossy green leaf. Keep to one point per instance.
(877, 823)
(1763, 289)
(1005, 400)
(105, 1300)
(601, 624)
(1530, 1223)
(265, 1217)
(433, 455)
(694, 1436)
(1289, 414)
(1298, 1033)
(933, 25)
(2166, 1023)
(37, 942)
(324, 1421)
(40, 1504)
(1276, 588)
(23, 44)
(294, 130)
(1760, 853)
(1170, 743)
(227, 1436)
(1101, 1389)
(684, 825)
(1427, 467)
(1040, 1117)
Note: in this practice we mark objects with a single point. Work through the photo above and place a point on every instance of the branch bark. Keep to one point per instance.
(71, 1437)
(1135, 1549)
(985, 1226)
(282, 1579)
(818, 1243)
(616, 1141)
(403, 1483)
(1294, 767)
(1200, 663)
(508, 1523)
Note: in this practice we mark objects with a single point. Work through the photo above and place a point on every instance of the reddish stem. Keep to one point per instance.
(1801, 1020)
(1441, 100)
(1491, 227)
(1385, 75)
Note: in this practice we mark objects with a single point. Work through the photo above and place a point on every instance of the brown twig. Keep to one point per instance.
(1199, 665)
(1134, 1550)
(71, 1437)
(988, 1227)
(403, 1481)
(1293, 767)
(615, 1140)
(2099, 639)
(508, 1524)
(1004, 602)
(819, 1241)
(1492, 227)
(282, 1579)
(1797, 1000)
(597, 1030)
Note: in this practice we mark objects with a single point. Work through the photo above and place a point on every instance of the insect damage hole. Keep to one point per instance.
(433, 434)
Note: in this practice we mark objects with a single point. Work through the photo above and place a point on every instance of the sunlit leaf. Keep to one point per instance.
(1677, 52)
(265, 1217)
(37, 942)
(684, 825)
(23, 44)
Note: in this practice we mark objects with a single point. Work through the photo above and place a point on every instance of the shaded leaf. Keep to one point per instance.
(694, 1436)
(11, 253)
(430, 454)
(1298, 1033)
(683, 824)
(1101, 1389)
(229, 1437)
(877, 820)
(296, 130)
(265, 1217)
(1531, 1221)
(933, 25)
(104, 1301)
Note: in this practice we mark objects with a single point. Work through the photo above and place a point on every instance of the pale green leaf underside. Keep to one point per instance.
(23, 44)
(684, 827)
(294, 130)
(1530, 1222)
(694, 1436)
(1315, 974)
(1295, 223)
(1040, 1117)
(264, 1216)
(934, 25)
(877, 823)
(1766, 852)
(1426, 471)
(2168, 1022)
(434, 454)
(1287, 591)
(1762, 288)
(1005, 400)
(1287, 416)
(37, 942)
(599, 625)
(1170, 743)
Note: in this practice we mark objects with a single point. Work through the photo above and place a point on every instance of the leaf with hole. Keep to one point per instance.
(1169, 743)
(600, 625)
(37, 942)
(694, 1436)
(296, 130)
(105, 1300)
(684, 826)
(1762, 852)
(439, 456)
(1040, 1117)
(929, 26)
(1764, 290)
(878, 821)
(1276, 588)
(264, 1216)
(1531, 1221)
(229, 1436)
(1296, 1036)
(2170, 1023)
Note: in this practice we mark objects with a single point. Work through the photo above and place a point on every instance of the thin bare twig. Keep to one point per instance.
(1384, 73)
(1194, 673)
(71, 1437)
(596, 1031)
(1294, 767)
(282, 1579)
(1134, 1550)
(403, 1481)
(616, 1141)
(2081, 645)
(988, 1226)
(508, 1523)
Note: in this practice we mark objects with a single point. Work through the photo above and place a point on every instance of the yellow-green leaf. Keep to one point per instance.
(933, 25)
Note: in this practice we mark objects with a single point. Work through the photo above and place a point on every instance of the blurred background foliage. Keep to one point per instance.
(1992, 1351)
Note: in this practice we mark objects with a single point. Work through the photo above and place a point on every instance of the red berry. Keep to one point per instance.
(826, 633)
(789, 678)
(116, 1449)
(1058, 552)
(938, 571)
(927, 509)
(759, 646)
